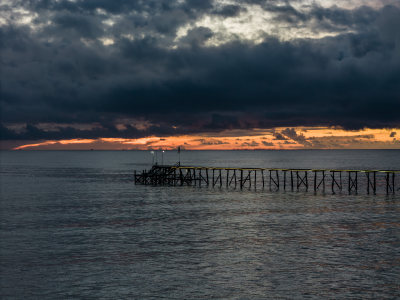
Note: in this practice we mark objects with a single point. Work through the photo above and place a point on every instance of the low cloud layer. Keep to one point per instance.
(185, 67)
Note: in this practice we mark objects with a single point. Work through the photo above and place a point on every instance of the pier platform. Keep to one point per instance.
(334, 180)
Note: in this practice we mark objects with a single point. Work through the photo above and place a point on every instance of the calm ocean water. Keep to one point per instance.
(73, 225)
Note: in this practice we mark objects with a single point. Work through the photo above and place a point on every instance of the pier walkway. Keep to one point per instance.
(352, 181)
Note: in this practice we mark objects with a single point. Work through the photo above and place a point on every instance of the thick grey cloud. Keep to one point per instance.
(299, 138)
(58, 68)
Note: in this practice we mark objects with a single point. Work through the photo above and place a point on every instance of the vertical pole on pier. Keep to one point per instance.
(241, 178)
(213, 182)
(277, 178)
(234, 173)
(341, 184)
(306, 174)
(188, 177)
(220, 177)
(270, 180)
(174, 176)
(227, 177)
(349, 174)
(393, 182)
(199, 177)
(387, 183)
(356, 182)
(284, 180)
(333, 181)
(249, 175)
(297, 179)
(262, 175)
(315, 181)
(291, 179)
(323, 180)
(255, 179)
(207, 176)
(181, 175)
(374, 183)
(368, 183)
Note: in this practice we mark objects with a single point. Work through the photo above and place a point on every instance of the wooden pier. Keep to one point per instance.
(352, 181)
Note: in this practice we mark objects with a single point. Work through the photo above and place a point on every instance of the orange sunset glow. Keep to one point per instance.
(257, 139)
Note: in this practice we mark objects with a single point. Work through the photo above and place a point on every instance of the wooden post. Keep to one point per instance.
(241, 178)
(199, 177)
(291, 179)
(234, 173)
(220, 177)
(393, 182)
(174, 177)
(374, 183)
(284, 180)
(387, 183)
(356, 182)
(349, 174)
(262, 175)
(249, 175)
(315, 181)
(306, 174)
(213, 182)
(270, 180)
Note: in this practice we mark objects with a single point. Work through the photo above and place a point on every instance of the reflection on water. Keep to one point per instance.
(74, 226)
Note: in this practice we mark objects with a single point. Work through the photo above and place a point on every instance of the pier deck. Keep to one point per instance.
(274, 179)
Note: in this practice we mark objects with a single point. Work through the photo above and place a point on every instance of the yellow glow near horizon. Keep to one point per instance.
(278, 138)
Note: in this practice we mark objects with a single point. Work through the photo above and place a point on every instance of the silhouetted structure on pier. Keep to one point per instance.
(274, 179)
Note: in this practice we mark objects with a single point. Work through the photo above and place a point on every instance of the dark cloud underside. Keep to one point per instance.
(59, 68)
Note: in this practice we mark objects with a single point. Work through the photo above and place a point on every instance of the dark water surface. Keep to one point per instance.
(73, 225)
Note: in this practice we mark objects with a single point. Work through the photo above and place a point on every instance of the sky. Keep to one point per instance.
(199, 74)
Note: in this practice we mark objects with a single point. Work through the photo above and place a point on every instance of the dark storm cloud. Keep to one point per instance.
(292, 134)
(268, 144)
(32, 132)
(197, 36)
(252, 144)
(57, 70)
(229, 11)
(211, 142)
(279, 137)
(333, 18)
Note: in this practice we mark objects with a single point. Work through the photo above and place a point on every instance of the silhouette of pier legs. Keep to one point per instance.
(278, 179)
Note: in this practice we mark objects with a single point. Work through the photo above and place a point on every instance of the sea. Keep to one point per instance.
(73, 225)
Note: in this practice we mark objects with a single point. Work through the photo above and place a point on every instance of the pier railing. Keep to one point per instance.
(274, 179)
